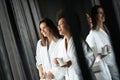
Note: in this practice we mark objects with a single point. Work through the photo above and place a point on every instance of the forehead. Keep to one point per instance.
(100, 10)
(43, 24)
(62, 20)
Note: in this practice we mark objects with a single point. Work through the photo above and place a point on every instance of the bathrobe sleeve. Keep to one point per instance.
(38, 60)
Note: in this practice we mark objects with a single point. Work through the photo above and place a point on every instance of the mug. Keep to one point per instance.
(104, 50)
(60, 61)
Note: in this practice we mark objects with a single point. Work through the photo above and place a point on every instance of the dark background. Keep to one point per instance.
(19, 31)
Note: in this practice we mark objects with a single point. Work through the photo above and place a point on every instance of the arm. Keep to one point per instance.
(49, 75)
(89, 20)
(55, 61)
(41, 73)
(105, 51)
(67, 64)
(38, 60)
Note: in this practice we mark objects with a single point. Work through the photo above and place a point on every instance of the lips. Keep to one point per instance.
(60, 30)
(44, 33)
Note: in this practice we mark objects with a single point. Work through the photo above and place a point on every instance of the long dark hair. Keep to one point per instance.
(62, 14)
(52, 28)
(94, 13)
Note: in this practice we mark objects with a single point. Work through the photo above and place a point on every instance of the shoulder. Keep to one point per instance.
(59, 40)
(90, 36)
(39, 42)
(92, 33)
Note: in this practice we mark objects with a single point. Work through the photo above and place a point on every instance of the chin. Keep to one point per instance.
(60, 33)
(44, 35)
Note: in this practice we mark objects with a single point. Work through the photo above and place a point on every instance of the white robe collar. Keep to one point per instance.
(70, 43)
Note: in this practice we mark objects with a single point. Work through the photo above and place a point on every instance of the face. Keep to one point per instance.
(100, 15)
(62, 27)
(44, 29)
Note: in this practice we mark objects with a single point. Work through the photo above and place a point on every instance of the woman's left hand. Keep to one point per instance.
(55, 61)
(68, 63)
(49, 75)
(108, 48)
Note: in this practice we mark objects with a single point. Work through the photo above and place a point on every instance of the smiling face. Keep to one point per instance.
(100, 15)
(63, 27)
(44, 29)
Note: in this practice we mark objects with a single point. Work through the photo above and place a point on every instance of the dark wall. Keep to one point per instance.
(49, 9)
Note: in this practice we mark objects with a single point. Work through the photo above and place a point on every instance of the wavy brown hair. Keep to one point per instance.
(53, 30)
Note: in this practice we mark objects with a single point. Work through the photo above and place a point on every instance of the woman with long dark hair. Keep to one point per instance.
(99, 40)
(67, 50)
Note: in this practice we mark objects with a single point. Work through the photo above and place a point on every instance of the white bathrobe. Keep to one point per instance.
(97, 40)
(88, 53)
(73, 72)
(46, 56)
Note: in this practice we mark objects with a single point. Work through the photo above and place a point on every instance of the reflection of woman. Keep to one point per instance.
(67, 49)
(46, 46)
(89, 20)
(98, 39)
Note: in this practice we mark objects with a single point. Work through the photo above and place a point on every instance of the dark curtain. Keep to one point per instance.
(4, 67)
(18, 38)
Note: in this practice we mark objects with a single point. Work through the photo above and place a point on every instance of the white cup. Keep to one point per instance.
(60, 61)
(104, 50)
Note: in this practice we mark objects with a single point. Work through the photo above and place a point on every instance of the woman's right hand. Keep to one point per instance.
(89, 20)
(108, 48)
(68, 63)
(55, 61)
(42, 75)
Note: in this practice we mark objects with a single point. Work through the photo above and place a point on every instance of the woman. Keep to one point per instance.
(98, 40)
(67, 49)
(46, 47)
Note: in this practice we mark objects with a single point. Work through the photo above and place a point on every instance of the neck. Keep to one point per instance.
(50, 38)
(100, 24)
(67, 38)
